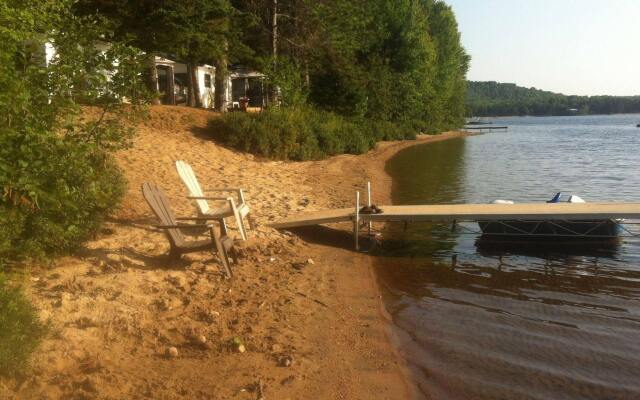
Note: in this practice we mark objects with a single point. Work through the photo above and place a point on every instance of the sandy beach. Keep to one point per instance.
(305, 306)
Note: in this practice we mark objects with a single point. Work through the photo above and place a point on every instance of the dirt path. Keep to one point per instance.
(305, 308)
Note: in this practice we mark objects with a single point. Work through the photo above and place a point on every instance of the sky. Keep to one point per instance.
(581, 47)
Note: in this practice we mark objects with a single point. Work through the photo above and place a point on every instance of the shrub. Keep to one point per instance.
(302, 133)
(20, 328)
(57, 177)
(57, 191)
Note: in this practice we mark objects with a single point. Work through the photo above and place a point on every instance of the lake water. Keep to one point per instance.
(517, 321)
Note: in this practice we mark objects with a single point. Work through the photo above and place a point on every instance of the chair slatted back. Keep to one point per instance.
(162, 209)
(189, 178)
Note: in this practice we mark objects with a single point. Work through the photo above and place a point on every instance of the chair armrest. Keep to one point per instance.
(209, 198)
(203, 218)
(183, 226)
(229, 200)
(239, 192)
(223, 189)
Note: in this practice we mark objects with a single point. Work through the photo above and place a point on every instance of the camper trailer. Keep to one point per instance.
(172, 74)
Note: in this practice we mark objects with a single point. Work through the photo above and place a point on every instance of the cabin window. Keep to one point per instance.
(207, 81)
(238, 89)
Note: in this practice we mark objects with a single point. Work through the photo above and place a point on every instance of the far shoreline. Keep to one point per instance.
(546, 116)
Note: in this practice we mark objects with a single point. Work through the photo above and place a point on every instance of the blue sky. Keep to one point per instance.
(584, 47)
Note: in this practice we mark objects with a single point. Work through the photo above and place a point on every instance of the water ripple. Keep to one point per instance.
(518, 321)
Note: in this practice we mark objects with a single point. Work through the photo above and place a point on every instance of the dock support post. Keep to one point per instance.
(370, 225)
(356, 221)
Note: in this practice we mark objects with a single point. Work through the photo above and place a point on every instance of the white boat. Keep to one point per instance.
(551, 228)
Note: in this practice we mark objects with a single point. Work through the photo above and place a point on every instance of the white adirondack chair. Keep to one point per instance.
(237, 209)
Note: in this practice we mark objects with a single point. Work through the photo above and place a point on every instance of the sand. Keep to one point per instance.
(304, 306)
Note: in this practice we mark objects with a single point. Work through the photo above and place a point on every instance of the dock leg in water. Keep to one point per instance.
(356, 221)
(369, 203)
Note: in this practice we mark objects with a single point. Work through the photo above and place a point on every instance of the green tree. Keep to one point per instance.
(385, 60)
(451, 65)
(57, 178)
(192, 31)
(195, 31)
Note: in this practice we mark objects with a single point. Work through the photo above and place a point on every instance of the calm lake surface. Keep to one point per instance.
(552, 321)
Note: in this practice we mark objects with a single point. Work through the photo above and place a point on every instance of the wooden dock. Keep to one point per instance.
(315, 218)
(466, 212)
(473, 212)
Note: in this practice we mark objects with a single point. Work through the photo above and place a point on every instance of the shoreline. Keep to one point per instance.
(116, 305)
(381, 192)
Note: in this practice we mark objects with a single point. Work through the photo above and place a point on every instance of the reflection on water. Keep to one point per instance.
(486, 320)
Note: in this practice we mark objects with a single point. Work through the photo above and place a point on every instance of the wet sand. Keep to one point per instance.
(305, 306)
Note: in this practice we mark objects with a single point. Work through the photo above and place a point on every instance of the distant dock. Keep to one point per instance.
(485, 127)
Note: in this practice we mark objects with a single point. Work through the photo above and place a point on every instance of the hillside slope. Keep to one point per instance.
(505, 99)
(117, 305)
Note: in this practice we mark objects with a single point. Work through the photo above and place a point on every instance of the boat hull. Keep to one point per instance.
(551, 229)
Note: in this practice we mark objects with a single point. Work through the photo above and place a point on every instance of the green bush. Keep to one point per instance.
(303, 133)
(56, 193)
(57, 176)
(20, 328)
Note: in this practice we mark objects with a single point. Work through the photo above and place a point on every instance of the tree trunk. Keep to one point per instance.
(307, 77)
(171, 95)
(274, 34)
(221, 84)
(191, 97)
(196, 85)
(152, 79)
(194, 89)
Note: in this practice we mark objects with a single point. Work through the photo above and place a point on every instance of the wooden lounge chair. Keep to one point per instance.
(221, 243)
(236, 208)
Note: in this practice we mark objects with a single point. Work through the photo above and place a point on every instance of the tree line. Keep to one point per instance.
(507, 99)
(391, 60)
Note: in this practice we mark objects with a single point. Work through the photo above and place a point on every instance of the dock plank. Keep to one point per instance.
(484, 212)
(315, 218)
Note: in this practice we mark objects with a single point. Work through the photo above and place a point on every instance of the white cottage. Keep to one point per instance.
(174, 74)
(172, 82)
(248, 84)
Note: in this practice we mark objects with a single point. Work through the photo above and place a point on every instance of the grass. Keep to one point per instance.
(20, 328)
